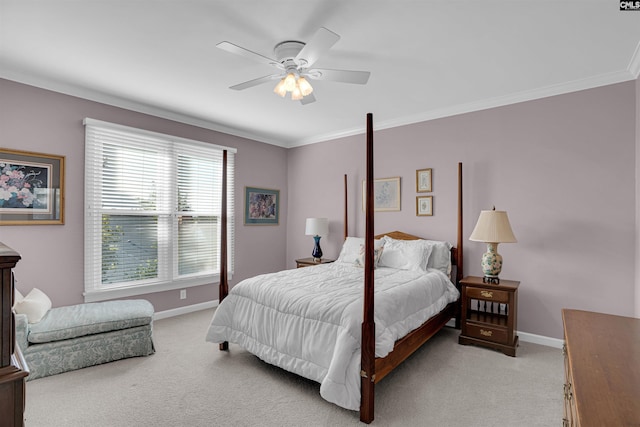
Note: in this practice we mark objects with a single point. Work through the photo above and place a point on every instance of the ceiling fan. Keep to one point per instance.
(293, 60)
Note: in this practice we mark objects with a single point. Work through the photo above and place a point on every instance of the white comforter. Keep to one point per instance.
(308, 320)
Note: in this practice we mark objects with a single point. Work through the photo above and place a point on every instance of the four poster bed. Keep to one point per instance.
(311, 321)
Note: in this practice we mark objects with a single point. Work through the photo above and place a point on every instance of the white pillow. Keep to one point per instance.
(17, 297)
(405, 254)
(377, 253)
(440, 257)
(35, 305)
(351, 249)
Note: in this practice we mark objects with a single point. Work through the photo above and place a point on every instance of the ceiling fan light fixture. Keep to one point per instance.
(293, 59)
(290, 82)
(305, 86)
(280, 89)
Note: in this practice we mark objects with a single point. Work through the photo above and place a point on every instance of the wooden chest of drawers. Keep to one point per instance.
(602, 369)
(13, 369)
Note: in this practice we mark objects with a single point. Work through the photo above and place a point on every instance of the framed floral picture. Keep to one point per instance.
(423, 181)
(386, 194)
(261, 206)
(424, 205)
(31, 188)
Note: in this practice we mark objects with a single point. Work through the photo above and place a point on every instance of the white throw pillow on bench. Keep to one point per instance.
(35, 305)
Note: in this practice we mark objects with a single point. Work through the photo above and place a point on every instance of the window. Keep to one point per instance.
(152, 211)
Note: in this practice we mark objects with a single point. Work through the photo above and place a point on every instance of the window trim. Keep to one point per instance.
(106, 293)
(143, 288)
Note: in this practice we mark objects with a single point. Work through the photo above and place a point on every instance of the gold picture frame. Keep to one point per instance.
(32, 188)
(424, 205)
(386, 194)
(423, 180)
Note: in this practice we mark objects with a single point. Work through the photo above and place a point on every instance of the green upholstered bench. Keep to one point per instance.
(82, 335)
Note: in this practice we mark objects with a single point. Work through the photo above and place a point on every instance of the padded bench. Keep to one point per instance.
(77, 336)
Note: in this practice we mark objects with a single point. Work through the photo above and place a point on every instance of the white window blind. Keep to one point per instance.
(152, 211)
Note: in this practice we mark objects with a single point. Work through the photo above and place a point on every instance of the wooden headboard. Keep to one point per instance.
(398, 235)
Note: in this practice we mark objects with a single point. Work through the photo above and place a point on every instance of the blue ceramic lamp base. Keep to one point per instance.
(317, 251)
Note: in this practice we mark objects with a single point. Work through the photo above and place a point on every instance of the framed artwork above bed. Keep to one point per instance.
(424, 205)
(423, 181)
(261, 206)
(386, 194)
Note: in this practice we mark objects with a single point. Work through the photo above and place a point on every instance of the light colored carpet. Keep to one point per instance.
(189, 382)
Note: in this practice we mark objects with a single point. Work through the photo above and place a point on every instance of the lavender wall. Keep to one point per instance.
(562, 167)
(38, 120)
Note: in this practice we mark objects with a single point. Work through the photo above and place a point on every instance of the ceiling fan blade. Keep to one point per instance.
(344, 76)
(255, 82)
(308, 99)
(321, 42)
(232, 48)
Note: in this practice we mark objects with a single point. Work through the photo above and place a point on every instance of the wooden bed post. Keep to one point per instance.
(224, 286)
(346, 213)
(460, 252)
(368, 345)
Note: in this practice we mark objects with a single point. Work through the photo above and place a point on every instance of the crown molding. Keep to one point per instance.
(120, 102)
(485, 104)
(634, 64)
(631, 73)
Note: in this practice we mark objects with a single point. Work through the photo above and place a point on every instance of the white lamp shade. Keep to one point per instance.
(493, 227)
(317, 227)
(280, 89)
(296, 95)
(305, 86)
(290, 82)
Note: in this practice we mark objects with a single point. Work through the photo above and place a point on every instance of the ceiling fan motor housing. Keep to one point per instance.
(286, 53)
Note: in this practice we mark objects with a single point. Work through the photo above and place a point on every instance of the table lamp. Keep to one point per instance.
(317, 227)
(492, 228)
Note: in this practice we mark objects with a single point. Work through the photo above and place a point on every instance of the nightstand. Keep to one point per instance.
(308, 262)
(489, 314)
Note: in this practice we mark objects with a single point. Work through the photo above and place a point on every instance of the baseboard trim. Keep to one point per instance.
(185, 310)
(540, 339)
(524, 336)
(527, 337)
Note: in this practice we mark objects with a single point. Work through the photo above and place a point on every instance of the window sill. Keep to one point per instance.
(115, 293)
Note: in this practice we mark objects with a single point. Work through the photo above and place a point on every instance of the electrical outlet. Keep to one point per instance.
(183, 294)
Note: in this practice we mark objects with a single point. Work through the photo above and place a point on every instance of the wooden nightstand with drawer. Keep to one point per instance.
(489, 314)
(308, 262)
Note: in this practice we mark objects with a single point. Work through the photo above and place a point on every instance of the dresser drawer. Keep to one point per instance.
(488, 294)
(487, 333)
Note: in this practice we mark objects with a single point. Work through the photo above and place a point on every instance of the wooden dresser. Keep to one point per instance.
(602, 369)
(13, 369)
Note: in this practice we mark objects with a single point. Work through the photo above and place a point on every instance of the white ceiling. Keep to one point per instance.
(427, 59)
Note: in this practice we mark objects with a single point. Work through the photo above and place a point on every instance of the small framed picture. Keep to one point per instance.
(261, 206)
(424, 205)
(423, 181)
